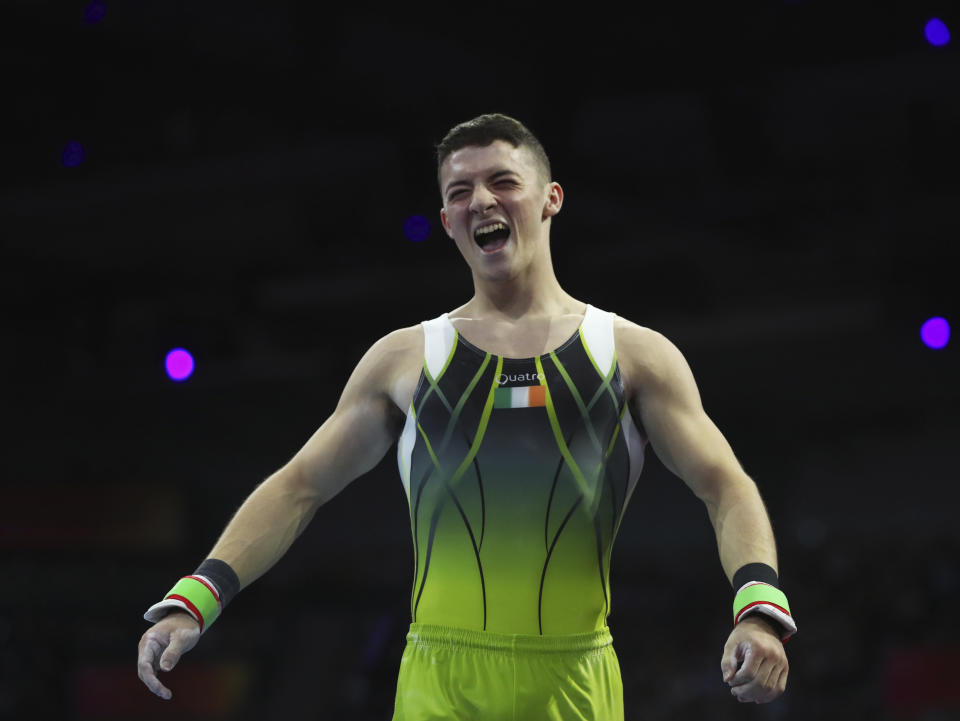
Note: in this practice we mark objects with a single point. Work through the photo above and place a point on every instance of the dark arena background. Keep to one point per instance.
(774, 187)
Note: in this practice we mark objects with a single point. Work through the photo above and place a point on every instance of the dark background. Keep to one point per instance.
(773, 187)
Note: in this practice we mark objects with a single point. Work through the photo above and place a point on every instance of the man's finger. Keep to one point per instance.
(764, 687)
(730, 660)
(779, 684)
(766, 682)
(153, 683)
(753, 688)
(146, 669)
(174, 651)
(740, 692)
(747, 691)
(748, 669)
(148, 648)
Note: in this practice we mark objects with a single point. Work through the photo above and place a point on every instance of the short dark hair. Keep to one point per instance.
(484, 129)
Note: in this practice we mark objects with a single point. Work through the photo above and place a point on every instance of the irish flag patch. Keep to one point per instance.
(521, 397)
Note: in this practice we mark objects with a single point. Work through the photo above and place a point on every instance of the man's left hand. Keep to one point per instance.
(754, 662)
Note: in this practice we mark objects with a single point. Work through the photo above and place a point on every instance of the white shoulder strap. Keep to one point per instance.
(597, 333)
(598, 340)
(439, 336)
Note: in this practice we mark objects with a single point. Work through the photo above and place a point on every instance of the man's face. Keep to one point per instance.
(497, 206)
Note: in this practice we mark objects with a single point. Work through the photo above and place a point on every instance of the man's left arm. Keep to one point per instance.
(663, 395)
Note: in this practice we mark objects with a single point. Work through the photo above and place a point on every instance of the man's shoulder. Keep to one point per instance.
(398, 350)
(643, 352)
(391, 366)
(401, 339)
(634, 338)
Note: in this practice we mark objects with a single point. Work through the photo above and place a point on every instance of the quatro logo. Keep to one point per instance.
(514, 377)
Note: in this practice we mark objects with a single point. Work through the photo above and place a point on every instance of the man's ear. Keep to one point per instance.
(445, 222)
(554, 200)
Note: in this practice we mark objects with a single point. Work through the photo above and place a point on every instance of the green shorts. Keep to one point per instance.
(454, 673)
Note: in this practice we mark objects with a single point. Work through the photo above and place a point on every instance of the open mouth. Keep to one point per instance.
(492, 238)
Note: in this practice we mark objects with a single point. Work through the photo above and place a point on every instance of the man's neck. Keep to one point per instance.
(527, 296)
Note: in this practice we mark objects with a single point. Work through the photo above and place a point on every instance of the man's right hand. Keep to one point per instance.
(162, 646)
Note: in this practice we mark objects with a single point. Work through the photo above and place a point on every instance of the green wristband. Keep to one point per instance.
(758, 597)
(198, 596)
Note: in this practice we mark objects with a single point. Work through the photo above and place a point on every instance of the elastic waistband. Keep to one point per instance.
(425, 634)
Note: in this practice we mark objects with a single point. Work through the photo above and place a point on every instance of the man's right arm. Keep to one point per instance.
(362, 428)
(364, 425)
(350, 442)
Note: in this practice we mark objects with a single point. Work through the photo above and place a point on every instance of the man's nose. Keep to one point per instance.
(482, 200)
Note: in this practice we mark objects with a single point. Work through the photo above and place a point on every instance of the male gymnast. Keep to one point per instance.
(520, 419)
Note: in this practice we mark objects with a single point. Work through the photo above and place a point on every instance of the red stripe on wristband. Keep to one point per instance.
(193, 609)
(758, 603)
(209, 588)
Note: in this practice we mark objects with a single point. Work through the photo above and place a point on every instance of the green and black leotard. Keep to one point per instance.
(518, 472)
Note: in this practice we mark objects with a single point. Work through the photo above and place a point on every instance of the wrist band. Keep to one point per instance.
(203, 595)
(760, 597)
(755, 572)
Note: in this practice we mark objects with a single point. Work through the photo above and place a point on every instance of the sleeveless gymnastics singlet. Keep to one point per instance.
(517, 472)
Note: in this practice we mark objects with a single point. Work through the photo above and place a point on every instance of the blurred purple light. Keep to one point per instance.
(179, 364)
(94, 12)
(416, 228)
(936, 32)
(935, 333)
(72, 154)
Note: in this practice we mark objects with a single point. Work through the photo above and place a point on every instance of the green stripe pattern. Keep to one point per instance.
(517, 491)
(200, 596)
(759, 593)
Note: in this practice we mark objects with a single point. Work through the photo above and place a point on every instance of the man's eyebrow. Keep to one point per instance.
(493, 176)
(501, 173)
